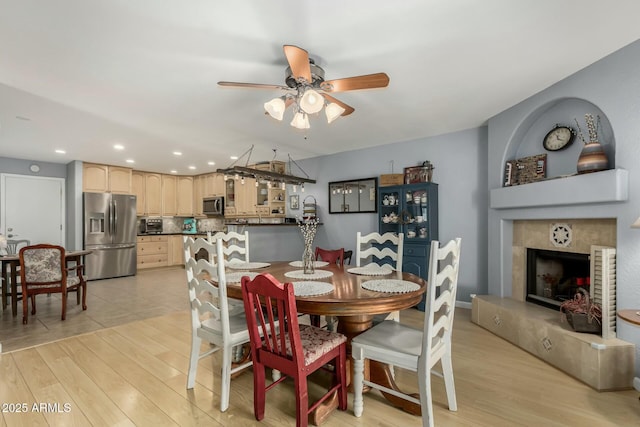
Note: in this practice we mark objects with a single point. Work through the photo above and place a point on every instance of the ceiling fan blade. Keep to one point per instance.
(298, 59)
(369, 81)
(252, 85)
(347, 108)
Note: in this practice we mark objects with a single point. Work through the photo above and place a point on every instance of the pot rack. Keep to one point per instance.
(263, 175)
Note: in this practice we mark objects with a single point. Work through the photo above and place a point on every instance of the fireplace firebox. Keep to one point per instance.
(554, 277)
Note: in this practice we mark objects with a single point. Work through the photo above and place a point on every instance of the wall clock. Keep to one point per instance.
(558, 138)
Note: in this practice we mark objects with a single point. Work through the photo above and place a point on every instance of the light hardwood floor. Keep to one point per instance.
(128, 366)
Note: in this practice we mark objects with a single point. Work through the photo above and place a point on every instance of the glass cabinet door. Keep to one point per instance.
(389, 210)
(416, 202)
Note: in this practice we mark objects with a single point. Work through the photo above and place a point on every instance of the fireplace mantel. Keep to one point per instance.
(598, 187)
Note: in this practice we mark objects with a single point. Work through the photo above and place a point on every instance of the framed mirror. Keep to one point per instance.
(355, 196)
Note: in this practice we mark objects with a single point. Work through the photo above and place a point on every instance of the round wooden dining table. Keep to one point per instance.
(355, 308)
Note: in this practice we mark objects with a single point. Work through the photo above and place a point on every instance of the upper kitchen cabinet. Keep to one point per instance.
(214, 185)
(246, 197)
(184, 196)
(169, 192)
(137, 188)
(153, 194)
(106, 179)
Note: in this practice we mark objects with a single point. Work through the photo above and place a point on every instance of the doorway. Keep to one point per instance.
(32, 208)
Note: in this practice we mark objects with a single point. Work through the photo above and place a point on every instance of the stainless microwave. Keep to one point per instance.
(213, 206)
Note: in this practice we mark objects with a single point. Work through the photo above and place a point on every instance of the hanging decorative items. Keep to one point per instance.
(592, 157)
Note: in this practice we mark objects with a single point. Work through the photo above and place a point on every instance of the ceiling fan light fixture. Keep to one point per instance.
(300, 121)
(333, 111)
(276, 107)
(311, 101)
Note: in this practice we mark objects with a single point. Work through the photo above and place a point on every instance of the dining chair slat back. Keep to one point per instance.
(293, 349)
(414, 349)
(332, 256)
(13, 246)
(235, 245)
(211, 319)
(381, 249)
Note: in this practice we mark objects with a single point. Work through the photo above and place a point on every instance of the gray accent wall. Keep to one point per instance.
(460, 161)
(613, 86)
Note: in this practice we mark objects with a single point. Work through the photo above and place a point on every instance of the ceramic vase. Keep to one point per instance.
(592, 158)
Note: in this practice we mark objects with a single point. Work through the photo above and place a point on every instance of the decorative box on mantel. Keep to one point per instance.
(597, 187)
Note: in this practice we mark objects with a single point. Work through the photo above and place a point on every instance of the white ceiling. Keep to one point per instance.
(83, 75)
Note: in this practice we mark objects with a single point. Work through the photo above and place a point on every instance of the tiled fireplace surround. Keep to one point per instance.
(603, 364)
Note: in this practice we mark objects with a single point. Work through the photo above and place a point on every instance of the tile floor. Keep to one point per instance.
(110, 302)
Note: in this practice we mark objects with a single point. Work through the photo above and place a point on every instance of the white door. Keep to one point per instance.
(32, 208)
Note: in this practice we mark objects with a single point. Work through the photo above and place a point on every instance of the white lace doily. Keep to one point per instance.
(318, 274)
(236, 276)
(309, 288)
(247, 265)
(391, 286)
(316, 263)
(372, 270)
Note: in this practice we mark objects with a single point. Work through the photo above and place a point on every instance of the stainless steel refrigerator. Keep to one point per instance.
(110, 232)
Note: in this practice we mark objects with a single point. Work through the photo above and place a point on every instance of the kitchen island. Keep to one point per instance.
(268, 242)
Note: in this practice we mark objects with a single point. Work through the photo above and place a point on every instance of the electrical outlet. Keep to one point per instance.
(546, 343)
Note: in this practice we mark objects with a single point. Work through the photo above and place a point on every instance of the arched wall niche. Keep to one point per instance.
(527, 138)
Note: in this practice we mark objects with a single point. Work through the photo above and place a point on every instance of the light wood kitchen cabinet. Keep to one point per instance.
(153, 194)
(184, 196)
(137, 188)
(152, 251)
(106, 179)
(214, 185)
(119, 180)
(176, 250)
(169, 191)
(246, 195)
(198, 194)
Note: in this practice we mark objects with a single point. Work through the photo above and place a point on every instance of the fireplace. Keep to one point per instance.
(554, 277)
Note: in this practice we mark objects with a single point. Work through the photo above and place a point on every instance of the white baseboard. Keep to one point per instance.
(463, 304)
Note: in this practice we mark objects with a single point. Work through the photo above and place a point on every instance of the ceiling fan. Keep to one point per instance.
(308, 91)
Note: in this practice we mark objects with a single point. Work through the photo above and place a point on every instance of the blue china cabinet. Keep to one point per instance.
(411, 209)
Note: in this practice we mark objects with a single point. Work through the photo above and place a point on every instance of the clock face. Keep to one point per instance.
(558, 138)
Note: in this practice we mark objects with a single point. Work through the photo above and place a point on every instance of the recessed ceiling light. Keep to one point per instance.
(234, 157)
(211, 163)
(130, 161)
(192, 167)
(61, 152)
(177, 153)
(174, 171)
(118, 147)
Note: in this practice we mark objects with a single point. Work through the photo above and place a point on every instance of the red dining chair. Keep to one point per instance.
(294, 350)
(331, 255)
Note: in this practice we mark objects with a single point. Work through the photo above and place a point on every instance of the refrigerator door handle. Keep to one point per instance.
(115, 217)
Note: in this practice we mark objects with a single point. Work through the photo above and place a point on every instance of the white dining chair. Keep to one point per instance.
(210, 317)
(414, 349)
(369, 248)
(236, 245)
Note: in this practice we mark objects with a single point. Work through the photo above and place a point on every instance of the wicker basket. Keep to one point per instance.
(580, 322)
